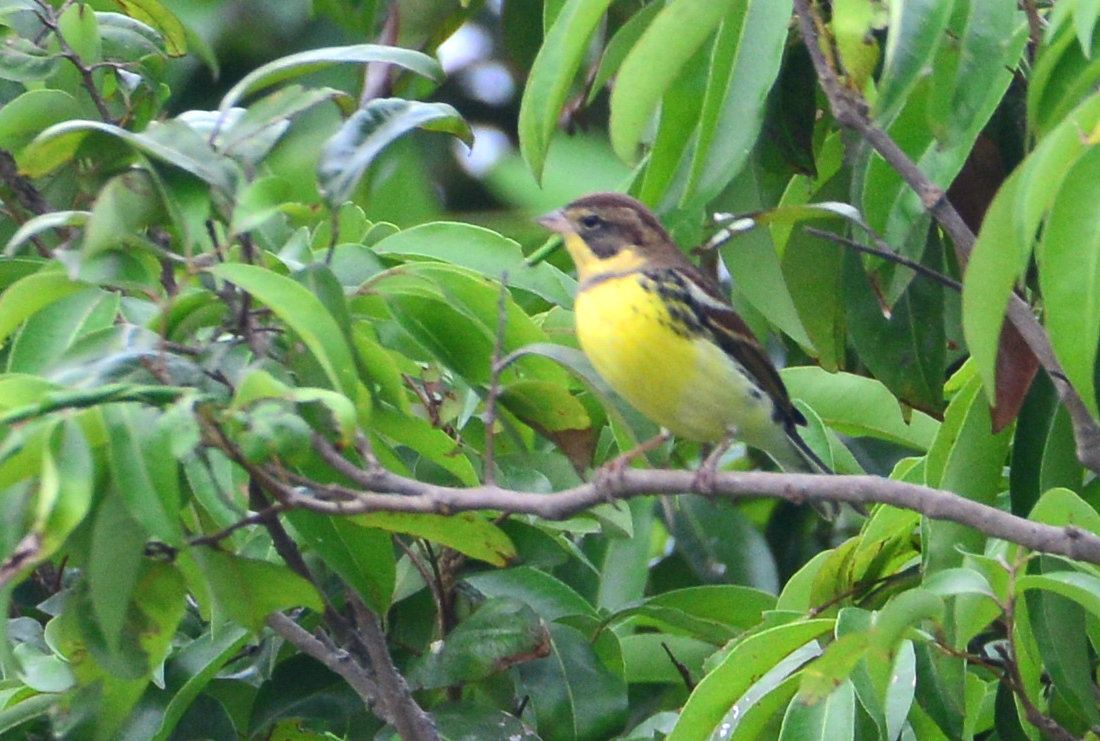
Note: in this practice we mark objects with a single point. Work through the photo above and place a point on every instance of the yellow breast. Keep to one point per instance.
(672, 375)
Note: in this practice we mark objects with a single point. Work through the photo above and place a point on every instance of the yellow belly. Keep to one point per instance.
(681, 382)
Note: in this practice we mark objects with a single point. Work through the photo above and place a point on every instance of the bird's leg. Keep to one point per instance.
(705, 475)
(612, 471)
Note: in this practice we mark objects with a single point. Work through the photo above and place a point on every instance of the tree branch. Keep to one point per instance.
(850, 111)
(336, 660)
(384, 490)
(408, 718)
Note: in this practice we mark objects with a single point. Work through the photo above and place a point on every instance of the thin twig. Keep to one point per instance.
(1046, 725)
(495, 368)
(681, 668)
(256, 518)
(49, 19)
(892, 256)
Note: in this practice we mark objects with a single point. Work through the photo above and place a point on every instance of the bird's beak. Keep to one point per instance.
(555, 221)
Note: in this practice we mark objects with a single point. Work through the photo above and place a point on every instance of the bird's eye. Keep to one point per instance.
(591, 221)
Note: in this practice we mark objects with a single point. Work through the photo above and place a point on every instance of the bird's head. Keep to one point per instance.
(610, 232)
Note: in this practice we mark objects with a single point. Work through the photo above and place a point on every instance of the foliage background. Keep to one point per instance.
(204, 312)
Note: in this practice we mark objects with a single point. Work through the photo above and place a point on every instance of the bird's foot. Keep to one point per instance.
(610, 475)
(707, 472)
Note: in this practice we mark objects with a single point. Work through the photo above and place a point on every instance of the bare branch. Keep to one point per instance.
(401, 710)
(851, 111)
(927, 272)
(338, 661)
(495, 368)
(387, 491)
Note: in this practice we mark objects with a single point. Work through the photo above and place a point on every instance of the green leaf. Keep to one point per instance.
(738, 671)
(545, 406)
(991, 274)
(45, 337)
(1069, 274)
(248, 590)
(744, 65)
(124, 207)
(80, 30)
(467, 532)
(250, 134)
(31, 294)
(1058, 624)
(155, 15)
(70, 458)
(127, 38)
(22, 118)
(42, 223)
(303, 63)
(191, 669)
(173, 142)
(914, 35)
(654, 63)
(484, 251)
(352, 149)
(966, 459)
(363, 557)
(23, 61)
(1084, 589)
(1064, 74)
(906, 351)
(546, 595)
(832, 719)
(573, 694)
(855, 405)
(146, 478)
(620, 45)
(721, 544)
(113, 566)
(501, 633)
(646, 662)
(431, 442)
(259, 201)
(305, 314)
(551, 74)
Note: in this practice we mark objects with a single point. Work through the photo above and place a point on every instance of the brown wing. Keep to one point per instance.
(734, 336)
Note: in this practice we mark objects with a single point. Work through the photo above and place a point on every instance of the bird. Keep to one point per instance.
(666, 340)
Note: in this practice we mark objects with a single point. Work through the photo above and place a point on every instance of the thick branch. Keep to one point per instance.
(850, 110)
(403, 494)
(408, 718)
(337, 660)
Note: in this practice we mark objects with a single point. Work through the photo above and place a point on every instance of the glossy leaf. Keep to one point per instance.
(653, 63)
(467, 532)
(747, 54)
(248, 590)
(500, 634)
(303, 313)
(726, 682)
(855, 405)
(573, 694)
(363, 557)
(550, 77)
(914, 34)
(368, 131)
(153, 13)
(1069, 273)
(303, 63)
